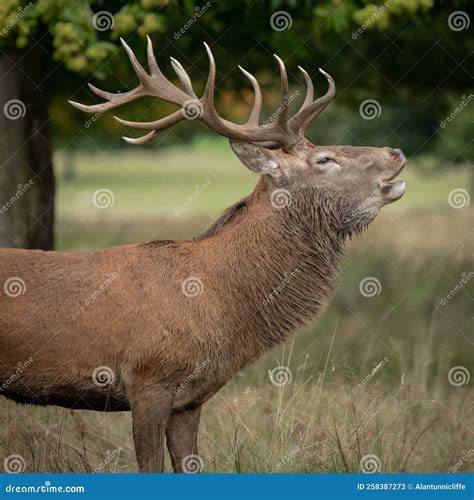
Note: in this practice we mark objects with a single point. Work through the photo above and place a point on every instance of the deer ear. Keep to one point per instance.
(260, 160)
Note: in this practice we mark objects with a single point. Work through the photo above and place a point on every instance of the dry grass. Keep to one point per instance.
(310, 425)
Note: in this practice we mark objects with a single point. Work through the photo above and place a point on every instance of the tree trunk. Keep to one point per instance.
(26, 169)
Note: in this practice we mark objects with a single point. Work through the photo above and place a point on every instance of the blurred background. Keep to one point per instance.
(384, 378)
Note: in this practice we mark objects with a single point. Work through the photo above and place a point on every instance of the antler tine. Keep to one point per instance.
(113, 100)
(282, 117)
(301, 121)
(210, 116)
(152, 64)
(139, 141)
(183, 77)
(208, 94)
(143, 76)
(103, 93)
(257, 103)
(160, 124)
(309, 89)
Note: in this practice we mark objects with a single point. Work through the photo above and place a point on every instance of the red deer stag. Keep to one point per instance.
(216, 302)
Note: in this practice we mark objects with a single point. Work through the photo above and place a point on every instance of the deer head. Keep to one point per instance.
(352, 182)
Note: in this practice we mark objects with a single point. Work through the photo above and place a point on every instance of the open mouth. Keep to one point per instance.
(391, 188)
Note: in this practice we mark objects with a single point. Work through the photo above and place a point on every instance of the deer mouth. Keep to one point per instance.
(391, 189)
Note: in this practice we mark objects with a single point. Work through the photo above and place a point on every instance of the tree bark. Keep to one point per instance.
(26, 171)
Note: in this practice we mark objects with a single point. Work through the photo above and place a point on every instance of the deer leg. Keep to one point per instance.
(150, 414)
(181, 435)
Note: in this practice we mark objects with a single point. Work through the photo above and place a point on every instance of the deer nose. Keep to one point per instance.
(397, 154)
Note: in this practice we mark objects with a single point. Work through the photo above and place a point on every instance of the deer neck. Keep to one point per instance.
(276, 268)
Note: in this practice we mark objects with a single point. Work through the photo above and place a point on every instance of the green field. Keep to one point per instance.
(371, 377)
(149, 187)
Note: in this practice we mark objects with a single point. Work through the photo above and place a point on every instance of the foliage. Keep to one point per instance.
(394, 51)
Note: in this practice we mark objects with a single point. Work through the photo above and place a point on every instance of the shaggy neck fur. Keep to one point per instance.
(277, 268)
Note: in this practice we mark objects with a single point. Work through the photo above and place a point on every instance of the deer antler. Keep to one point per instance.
(282, 132)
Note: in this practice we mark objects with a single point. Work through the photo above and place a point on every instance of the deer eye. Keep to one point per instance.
(323, 160)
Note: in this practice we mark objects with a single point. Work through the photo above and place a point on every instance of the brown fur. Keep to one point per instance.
(265, 271)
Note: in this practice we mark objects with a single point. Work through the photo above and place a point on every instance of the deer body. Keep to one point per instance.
(158, 328)
(252, 298)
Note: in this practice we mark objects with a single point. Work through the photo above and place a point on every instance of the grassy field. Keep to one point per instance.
(383, 380)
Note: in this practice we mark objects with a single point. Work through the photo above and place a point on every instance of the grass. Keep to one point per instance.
(369, 381)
